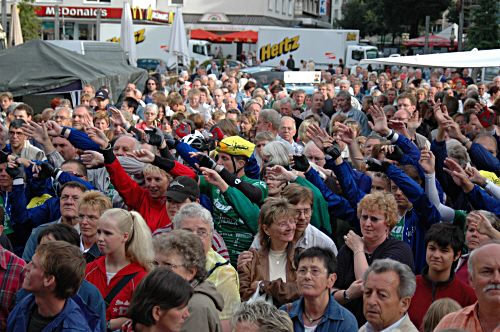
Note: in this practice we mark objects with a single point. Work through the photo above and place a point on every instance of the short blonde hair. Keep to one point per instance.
(437, 311)
(381, 201)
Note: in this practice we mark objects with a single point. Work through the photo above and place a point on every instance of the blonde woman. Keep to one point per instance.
(125, 241)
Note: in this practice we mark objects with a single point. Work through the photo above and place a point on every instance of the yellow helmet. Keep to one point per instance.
(236, 146)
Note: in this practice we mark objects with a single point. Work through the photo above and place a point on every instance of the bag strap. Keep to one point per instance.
(216, 266)
(118, 287)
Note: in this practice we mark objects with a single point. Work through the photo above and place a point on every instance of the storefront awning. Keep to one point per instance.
(245, 36)
(201, 34)
(434, 41)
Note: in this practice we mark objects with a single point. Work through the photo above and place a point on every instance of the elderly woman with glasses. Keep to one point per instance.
(182, 251)
(377, 213)
(271, 272)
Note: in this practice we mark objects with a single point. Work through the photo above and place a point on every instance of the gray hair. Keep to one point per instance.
(272, 116)
(345, 82)
(266, 317)
(187, 245)
(278, 153)
(288, 100)
(457, 151)
(59, 109)
(152, 107)
(250, 103)
(264, 136)
(345, 94)
(407, 281)
(193, 211)
(470, 261)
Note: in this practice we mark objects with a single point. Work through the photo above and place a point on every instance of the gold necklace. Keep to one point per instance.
(310, 319)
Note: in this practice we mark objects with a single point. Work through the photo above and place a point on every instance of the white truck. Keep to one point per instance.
(152, 42)
(323, 46)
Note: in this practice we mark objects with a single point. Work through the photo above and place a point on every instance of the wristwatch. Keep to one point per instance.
(346, 296)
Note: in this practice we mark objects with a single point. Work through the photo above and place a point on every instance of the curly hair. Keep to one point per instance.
(187, 245)
(381, 201)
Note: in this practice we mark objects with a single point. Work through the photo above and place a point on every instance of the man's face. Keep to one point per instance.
(88, 90)
(255, 109)
(218, 97)
(315, 155)
(299, 98)
(79, 116)
(123, 145)
(382, 306)
(5, 179)
(17, 138)
(64, 147)
(231, 103)
(401, 200)
(317, 102)
(343, 103)
(440, 259)
(225, 160)
(262, 125)
(405, 105)
(34, 277)
(173, 206)
(323, 91)
(69, 202)
(286, 109)
(485, 278)
(21, 114)
(330, 90)
(156, 183)
(303, 212)
(287, 130)
(63, 118)
(391, 96)
(102, 103)
(5, 103)
(200, 228)
(344, 87)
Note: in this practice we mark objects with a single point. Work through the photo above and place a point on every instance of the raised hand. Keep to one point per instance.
(345, 133)
(379, 124)
(143, 155)
(400, 127)
(279, 173)
(212, 177)
(319, 136)
(98, 137)
(475, 176)
(414, 122)
(53, 128)
(117, 118)
(38, 132)
(458, 174)
(92, 159)
(427, 161)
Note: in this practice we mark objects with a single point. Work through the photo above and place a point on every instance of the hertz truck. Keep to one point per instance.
(323, 46)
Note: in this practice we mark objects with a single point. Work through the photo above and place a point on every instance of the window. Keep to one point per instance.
(290, 8)
(276, 5)
(336, 14)
(358, 55)
(199, 49)
(97, 1)
(283, 7)
(270, 4)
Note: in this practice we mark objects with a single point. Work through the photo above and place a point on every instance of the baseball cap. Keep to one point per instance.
(103, 94)
(183, 187)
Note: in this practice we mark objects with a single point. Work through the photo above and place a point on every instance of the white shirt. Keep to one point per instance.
(312, 237)
(369, 327)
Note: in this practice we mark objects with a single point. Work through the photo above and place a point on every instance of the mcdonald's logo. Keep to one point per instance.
(149, 14)
(137, 13)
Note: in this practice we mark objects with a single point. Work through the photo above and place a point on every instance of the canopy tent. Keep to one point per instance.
(470, 59)
(245, 36)
(38, 67)
(434, 41)
(200, 34)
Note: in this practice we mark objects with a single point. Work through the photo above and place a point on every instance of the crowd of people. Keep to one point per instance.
(215, 204)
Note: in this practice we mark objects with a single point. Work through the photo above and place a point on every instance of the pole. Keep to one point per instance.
(98, 25)
(460, 27)
(56, 23)
(427, 27)
(4, 15)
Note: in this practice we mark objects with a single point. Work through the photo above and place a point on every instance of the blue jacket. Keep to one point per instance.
(481, 200)
(88, 293)
(75, 317)
(336, 317)
(417, 220)
(81, 140)
(336, 203)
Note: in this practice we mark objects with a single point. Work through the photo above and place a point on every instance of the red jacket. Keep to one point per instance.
(154, 211)
(428, 291)
(96, 274)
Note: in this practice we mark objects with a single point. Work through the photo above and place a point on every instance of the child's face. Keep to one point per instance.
(5, 103)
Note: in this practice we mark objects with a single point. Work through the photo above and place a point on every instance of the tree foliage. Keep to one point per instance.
(483, 31)
(373, 17)
(31, 25)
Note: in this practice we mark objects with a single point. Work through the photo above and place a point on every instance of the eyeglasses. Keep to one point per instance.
(59, 117)
(169, 266)
(305, 212)
(200, 232)
(315, 272)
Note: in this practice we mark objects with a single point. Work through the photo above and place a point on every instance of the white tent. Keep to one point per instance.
(127, 39)
(178, 39)
(470, 59)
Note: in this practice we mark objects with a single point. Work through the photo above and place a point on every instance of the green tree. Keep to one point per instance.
(483, 31)
(363, 15)
(31, 25)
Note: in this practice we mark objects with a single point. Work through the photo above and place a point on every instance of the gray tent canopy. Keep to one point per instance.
(38, 67)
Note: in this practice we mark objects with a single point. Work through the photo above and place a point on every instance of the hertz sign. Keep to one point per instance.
(271, 51)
